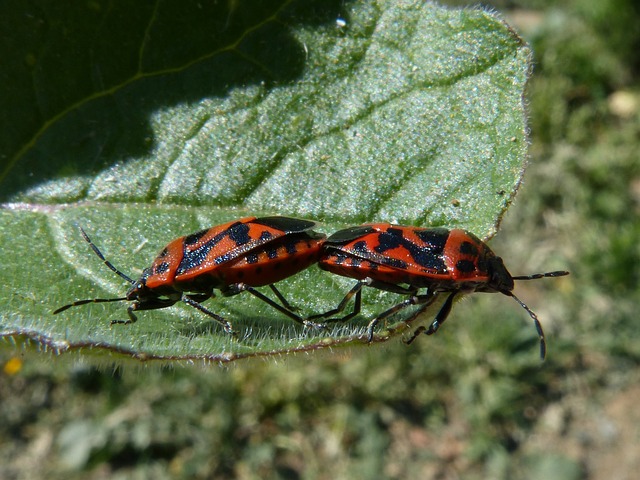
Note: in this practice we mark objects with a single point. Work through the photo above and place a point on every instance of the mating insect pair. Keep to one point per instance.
(253, 252)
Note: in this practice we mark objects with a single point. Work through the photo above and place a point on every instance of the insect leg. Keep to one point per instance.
(435, 325)
(442, 315)
(357, 291)
(226, 325)
(426, 299)
(132, 317)
(277, 306)
(283, 300)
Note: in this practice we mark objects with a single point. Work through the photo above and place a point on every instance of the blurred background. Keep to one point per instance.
(474, 401)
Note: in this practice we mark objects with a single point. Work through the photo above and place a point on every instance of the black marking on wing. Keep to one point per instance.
(427, 256)
(465, 266)
(239, 234)
(286, 224)
(194, 237)
(161, 268)
(468, 248)
(194, 258)
(349, 234)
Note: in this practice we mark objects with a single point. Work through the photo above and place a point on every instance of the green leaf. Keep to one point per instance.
(142, 124)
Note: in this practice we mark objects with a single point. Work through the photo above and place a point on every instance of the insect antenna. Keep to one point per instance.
(534, 317)
(111, 267)
(104, 260)
(536, 322)
(91, 300)
(535, 276)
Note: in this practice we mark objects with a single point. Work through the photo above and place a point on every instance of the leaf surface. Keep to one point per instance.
(149, 123)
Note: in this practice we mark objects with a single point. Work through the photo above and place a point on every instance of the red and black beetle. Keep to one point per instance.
(403, 260)
(233, 257)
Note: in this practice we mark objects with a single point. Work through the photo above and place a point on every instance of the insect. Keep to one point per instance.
(403, 260)
(233, 257)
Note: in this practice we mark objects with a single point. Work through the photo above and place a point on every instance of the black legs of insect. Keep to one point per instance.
(194, 301)
(414, 299)
(357, 291)
(190, 301)
(437, 322)
(425, 300)
(446, 310)
(285, 308)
